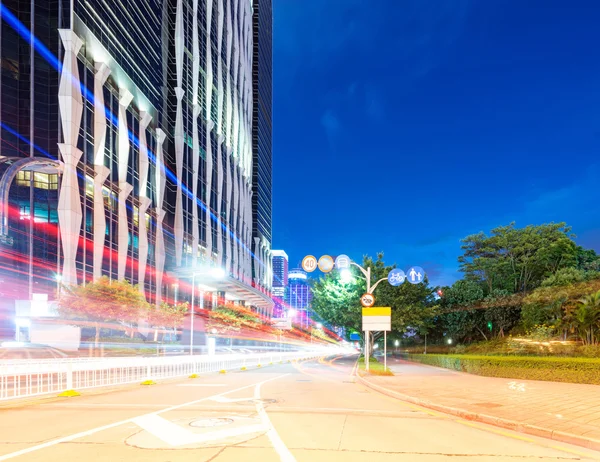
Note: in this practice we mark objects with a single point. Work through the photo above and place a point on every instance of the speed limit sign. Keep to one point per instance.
(367, 300)
(309, 263)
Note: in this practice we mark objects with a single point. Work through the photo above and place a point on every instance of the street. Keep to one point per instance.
(308, 411)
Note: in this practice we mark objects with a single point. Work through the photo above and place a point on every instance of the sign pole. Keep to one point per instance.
(385, 350)
(367, 341)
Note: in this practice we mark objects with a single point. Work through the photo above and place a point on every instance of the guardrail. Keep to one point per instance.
(25, 378)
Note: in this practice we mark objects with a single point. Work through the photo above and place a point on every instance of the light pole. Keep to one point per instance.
(217, 273)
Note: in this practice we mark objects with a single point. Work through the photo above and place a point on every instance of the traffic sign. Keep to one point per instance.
(309, 263)
(377, 319)
(326, 263)
(342, 262)
(354, 336)
(415, 275)
(367, 300)
(396, 277)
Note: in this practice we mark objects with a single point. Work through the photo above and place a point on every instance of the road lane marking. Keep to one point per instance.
(66, 439)
(282, 450)
(176, 435)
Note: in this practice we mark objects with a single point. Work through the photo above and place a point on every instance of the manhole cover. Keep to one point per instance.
(216, 422)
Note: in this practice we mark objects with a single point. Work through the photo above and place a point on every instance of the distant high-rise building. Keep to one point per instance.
(280, 280)
(298, 295)
(262, 85)
(280, 273)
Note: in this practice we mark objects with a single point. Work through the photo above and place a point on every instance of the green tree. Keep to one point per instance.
(103, 300)
(338, 302)
(587, 317)
(517, 260)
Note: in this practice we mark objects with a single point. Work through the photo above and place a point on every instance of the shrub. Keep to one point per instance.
(555, 369)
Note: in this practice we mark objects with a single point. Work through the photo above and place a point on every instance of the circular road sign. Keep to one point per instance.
(396, 277)
(326, 263)
(367, 300)
(309, 263)
(342, 262)
(415, 275)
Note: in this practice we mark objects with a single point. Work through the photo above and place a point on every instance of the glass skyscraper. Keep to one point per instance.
(262, 77)
(128, 147)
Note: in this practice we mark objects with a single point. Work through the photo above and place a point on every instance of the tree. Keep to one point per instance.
(517, 260)
(587, 317)
(103, 300)
(338, 302)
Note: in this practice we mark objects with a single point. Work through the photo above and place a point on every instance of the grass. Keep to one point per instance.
(375, 367)
(554, 369)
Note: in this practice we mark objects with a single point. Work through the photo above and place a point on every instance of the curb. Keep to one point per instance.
(578, 440)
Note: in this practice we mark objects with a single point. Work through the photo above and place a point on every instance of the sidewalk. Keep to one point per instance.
(561, 411)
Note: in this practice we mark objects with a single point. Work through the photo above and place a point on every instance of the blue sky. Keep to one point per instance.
(404, 125)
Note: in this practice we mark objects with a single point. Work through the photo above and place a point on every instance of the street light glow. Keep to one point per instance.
(396, 342)
(319, 325)
(345, 276)
(292, 312)
(449, 341)
(218, 273)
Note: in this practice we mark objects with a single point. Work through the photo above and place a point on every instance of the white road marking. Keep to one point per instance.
(284, 453)
(75, 436)
(176, 435)
(222, 399)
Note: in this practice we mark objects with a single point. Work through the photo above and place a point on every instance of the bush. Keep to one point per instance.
(572, 370)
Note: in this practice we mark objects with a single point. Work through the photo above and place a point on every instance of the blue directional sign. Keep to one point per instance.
(415, 275)
(342, 262)
(396, 277)
(354, 336)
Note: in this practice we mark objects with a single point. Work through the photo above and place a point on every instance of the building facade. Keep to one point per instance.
(262, 77)
(298, 296)
(280, 262)
(127, 147)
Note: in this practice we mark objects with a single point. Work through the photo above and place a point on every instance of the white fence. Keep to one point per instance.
(24, 378)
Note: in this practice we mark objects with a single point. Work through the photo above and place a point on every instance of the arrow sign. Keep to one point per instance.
(415, 275)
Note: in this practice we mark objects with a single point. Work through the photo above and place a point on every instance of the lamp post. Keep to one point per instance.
(217, 273)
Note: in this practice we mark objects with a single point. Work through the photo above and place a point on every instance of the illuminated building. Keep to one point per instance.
(127, 146)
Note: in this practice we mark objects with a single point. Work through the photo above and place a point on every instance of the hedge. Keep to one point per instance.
(554, 369)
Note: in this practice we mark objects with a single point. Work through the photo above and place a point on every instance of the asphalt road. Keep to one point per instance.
(311, 411)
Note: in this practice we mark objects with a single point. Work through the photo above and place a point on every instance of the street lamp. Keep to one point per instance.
(346, 276)
(217, 273)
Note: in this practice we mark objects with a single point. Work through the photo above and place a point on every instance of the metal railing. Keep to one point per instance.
(25, 378)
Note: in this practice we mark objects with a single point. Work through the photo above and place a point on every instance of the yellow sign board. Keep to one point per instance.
(377, 311)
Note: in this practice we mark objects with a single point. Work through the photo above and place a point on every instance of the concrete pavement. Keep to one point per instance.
(562, 411)
(311, 411)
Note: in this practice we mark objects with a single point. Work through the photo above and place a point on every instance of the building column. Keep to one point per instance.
(145, 201)
(219, 201)
(195, 137)
(209, 128)
(102, 172)
(159, 245)
(228, 249)
(125, 98)
(179, 142)
(71, 108)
